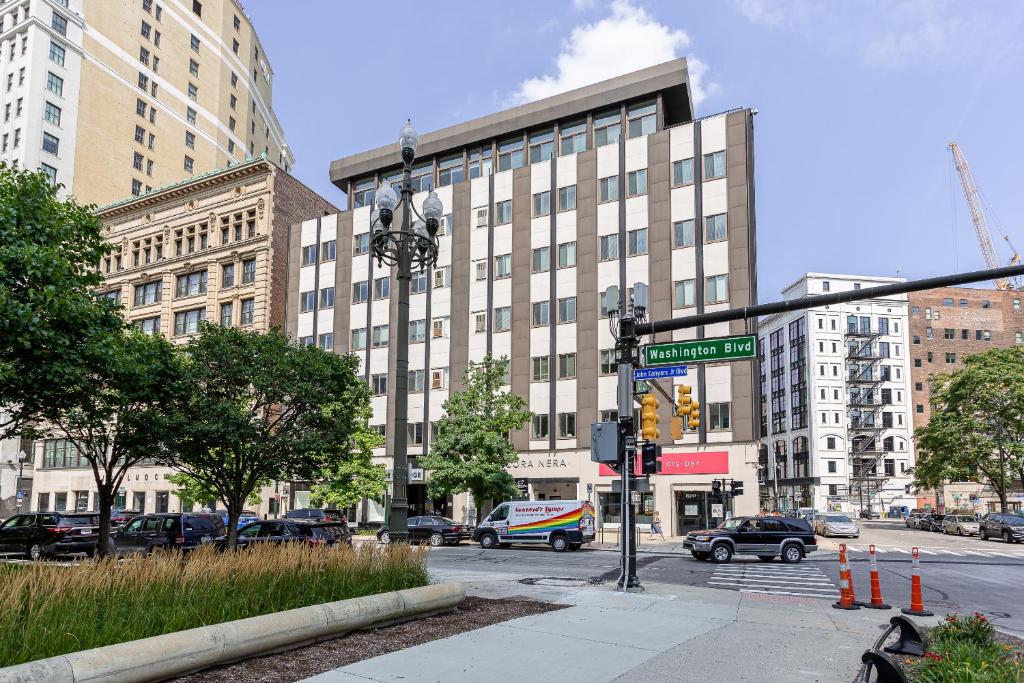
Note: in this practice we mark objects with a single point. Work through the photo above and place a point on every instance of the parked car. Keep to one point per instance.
(122, 517)
(961, 525)
(164, 531)
(431, 529)
(245, 517)
(319, 514)
(767, 537)
(562, 524)
(932, 522)
(836, 524)
(870, 514)
(44, 534)
(913, 520)
(330, 533)
(1008, 527)
(285, 531)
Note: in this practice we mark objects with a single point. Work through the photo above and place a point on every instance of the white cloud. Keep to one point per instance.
(627, 40)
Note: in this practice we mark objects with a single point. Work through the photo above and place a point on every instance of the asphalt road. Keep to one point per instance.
(958, 575)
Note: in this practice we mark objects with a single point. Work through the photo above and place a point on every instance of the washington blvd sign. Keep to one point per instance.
(701, 350)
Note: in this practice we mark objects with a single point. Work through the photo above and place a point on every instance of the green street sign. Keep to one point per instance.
(701, 350)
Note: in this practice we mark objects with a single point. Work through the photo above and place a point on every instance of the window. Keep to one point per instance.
(916, 339)
(480, 162)
(573, 138)
(191, 284)
(226, 314)
(137, 163)
(682, 234)
(193, 92)
(542, 146)
(140, 134)
(379, 384)
(950, 358)
(636, 183)
(719, 416)
(439, 328)
(541, 204)
(567, 198)
(328, 250)
(190, 139)
(714, 228)
(541, 368)
(59, 24)
(234, 79)
(502, 266)
(359, 339)
(146, 29)
(55, 84)
(683, 294)
(716, 289)
(481, 270)
(156, 34)
(637, 242)
(541, 259)
(57, 53)
(608, 364)
(609, 247)
(187, 322)
(418, 284)
(51, 143)
(503, 212)
(830, 443)
(50, 172)
(136, 187)
(607, 128)
(189, 163)
(566, 366)
(51, 114)
(248, 271)
(539, 426)
(309, 254)
(148, 293)
(714, 165)
(193, 67)
(682, 172)
(380, 336)
(382, 287)
(479, 322)
(361, 244)
(510, 154)
(540, 314)
(234, 45)
(567, 310)
(143, 81)
(195, 43)
(227, 275)
(233, 102)
(481, 217)
(327, 297)
(360, 291)
(567, 255)
(503, 319)
(641, 119)
(609, 189)
(948, 333)
(567, 425)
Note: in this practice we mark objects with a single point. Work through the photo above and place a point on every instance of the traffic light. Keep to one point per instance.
(683, 400)
(649, 454)
(737, 487)
(649, 417)
(716, 486)
(694, 421)
(675, 426)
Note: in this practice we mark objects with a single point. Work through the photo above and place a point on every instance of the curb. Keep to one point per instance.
(182, 652)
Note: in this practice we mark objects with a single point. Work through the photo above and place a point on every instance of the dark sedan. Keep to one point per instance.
(280, 531)
(1010, 528)
(42, 534)
(932, 522)
(436, 531)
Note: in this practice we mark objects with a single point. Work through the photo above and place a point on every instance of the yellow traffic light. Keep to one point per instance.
(694, 422)
(676, 428)
(649, 417)
(683, 400)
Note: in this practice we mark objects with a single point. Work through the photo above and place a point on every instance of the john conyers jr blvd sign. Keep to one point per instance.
(701, 350)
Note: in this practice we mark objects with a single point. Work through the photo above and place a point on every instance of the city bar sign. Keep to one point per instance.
(701, 350)
(680, 462)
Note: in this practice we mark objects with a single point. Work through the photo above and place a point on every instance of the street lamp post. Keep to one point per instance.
(414, 244)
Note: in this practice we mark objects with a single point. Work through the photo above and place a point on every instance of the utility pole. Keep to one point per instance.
(628, 347)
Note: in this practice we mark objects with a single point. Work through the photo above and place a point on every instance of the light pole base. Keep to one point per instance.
(632, 585)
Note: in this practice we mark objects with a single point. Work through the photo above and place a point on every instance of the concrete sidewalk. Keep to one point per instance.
(668, 633)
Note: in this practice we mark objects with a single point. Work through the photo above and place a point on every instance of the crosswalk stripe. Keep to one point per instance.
(762, 580)
(853, 549)
(975, 552)
(1001, 554)
(944, 551)
(806, 595)
(776, 575)
(927, 552)
(769, 569)
(830, 590)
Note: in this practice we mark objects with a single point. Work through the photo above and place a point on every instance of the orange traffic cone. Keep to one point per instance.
(876, 586)
(847, 598)
(916, 601)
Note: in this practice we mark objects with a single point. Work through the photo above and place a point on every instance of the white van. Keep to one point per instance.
(562, 524)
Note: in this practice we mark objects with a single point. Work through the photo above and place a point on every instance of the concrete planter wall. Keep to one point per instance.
(182, 652)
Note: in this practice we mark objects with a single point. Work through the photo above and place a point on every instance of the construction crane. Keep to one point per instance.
(978, 217)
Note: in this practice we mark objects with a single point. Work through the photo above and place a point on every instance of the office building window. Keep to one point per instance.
(636, 182)
(542, 146)
(714, 165)
(190, 139)
(642, 119)
(714, 228)
(55, 84)
(607, 128)
(682, 172)
(51, 143)
(567, 255)
(682, 234)
(566, 366)
(359, 339)
(189, 164)
(503, 212)
(567, 425)
(716, 289)
(193, 92)
(137, 161)
(502, 266)
(187, 322)
(541, 372)
(248, 271)
(539, 428)
(541, 259)
(450, 171)
(541, 204)
(328, 251)
(192, 284)
(567, 310)
(226, 314)
(608, 364)
(609, 189)
(361, 244)
(540, 316)
(567, 198)
(326, 341)
(684, 294)
(480, 162)
(50, 172)
(195, 43)
(637, 242)
(51, 113)
(59, 24)
(309, 254)
(573, 138)
(418, 283)
(510, 154)
(609, 247)
(327, 297)
(148, 293)
(380, 336)
(718, 414)
(379, 384)
(57, 53)
(382, 287)
(360, 291)
(503, 319)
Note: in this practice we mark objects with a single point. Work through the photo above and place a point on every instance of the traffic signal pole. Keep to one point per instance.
(628, 345)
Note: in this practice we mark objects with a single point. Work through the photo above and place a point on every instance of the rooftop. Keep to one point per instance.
(669, 78)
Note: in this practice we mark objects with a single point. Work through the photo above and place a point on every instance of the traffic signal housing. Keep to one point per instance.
(694, 421)
(649, 459)
(737, 487)
(683, 400)
(649, 417)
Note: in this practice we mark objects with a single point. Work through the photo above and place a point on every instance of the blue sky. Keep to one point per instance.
(857, 102)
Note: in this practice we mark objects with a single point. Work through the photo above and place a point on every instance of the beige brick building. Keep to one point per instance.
(212, 248)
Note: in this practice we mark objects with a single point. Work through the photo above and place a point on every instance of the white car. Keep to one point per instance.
(835, 524)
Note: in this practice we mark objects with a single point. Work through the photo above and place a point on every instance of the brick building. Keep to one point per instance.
(946, 325)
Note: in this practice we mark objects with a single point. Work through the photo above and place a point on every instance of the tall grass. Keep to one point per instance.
(48, 610)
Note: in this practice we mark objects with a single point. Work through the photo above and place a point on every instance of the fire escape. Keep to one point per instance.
(864, 406)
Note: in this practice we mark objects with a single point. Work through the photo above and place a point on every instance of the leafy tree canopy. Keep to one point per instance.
(347, 478)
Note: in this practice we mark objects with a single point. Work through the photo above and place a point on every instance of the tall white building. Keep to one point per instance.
(836, 421)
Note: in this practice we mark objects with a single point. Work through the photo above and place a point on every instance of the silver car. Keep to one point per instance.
(961, 525)
(835, 524)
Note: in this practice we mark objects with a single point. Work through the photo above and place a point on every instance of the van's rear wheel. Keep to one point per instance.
(559, 544)
(488, 541)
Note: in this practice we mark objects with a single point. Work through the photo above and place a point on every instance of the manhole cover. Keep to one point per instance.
(553, 581)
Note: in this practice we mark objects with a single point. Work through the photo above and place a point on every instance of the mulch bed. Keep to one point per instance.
(303, 662)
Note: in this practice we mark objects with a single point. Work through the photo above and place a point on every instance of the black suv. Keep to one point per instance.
(767, 537)
(288, 531)
(165, 531)
(41, 534)
(998, 525)
(431, 529)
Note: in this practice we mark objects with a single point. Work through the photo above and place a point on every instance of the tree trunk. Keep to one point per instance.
(234, 512)
(105, 494)
(1002, 499)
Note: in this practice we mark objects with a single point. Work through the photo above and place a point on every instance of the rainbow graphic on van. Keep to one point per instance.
(567, 520)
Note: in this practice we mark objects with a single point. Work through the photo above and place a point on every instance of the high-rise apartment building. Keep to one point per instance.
(835, 401)
(947, 324)
(116, 98)
(547, 205)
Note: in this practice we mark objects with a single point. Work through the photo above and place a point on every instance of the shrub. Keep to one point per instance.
(969, 662)
(48, 610)
(973, 629)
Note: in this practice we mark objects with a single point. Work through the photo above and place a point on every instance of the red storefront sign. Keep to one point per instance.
(683, 462)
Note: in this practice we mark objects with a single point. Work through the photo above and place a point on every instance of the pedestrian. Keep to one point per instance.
(656, 526)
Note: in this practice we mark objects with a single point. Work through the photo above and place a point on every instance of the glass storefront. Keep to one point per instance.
(609, 507)
(696, 510)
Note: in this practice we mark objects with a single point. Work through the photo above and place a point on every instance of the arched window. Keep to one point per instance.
(780, 448)
(888, 444)
(800, 444)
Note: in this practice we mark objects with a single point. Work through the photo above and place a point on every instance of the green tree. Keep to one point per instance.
(346, 480)
(191, 491)
(976, 429)
(472, 450)
(121, 417)
(53, 329)
(259, 407)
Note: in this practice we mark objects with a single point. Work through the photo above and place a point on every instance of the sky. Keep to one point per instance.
(857, 103)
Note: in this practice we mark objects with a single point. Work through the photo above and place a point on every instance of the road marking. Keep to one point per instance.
(894, 549)
(762, 580)
(830, 590)
(944, 551)
(975, 552)
(853, 549)
(806, 595)
(815, 576)
(1002, 554)
(927, 552)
